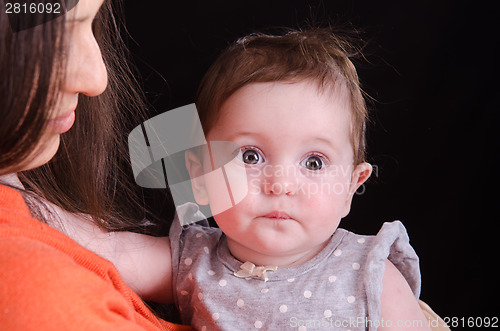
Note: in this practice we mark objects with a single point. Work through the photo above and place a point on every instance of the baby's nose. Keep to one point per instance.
(280, 180)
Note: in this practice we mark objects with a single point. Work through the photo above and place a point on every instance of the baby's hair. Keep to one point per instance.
(315, 54)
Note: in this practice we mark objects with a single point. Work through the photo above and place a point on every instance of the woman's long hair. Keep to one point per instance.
(91, 172)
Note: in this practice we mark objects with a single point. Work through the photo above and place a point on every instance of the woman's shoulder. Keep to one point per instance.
(12, 205)
(40, 254)
(49, 282)
(31, 266)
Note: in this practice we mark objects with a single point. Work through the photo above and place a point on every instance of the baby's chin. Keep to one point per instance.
(280, 250)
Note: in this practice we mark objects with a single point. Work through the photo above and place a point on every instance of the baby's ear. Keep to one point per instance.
(195, 169)
(359, 175)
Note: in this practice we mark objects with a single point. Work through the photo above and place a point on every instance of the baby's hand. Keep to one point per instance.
(144, 262)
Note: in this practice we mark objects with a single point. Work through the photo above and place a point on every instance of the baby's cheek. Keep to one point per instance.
(254, 186)
(325, 197)
(323, 201)
(330, 188)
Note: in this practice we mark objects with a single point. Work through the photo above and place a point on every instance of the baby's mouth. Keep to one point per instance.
(278, 215)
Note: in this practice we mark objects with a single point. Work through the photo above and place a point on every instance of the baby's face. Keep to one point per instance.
(296, 148)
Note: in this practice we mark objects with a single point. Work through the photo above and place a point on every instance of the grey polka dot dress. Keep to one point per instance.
(338, 289)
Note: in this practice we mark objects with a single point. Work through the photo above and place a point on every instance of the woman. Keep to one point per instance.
(56, 72)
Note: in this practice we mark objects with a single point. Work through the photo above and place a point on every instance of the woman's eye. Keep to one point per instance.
(251, 156)
(313, 163)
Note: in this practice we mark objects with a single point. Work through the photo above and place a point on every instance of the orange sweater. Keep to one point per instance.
(49, 282)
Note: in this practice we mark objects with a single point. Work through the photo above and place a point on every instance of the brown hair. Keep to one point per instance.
(90, 173)
(315, 54)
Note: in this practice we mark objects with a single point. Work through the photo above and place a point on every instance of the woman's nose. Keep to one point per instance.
(86, 72)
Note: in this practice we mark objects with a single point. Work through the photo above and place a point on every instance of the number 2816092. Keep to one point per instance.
(32, 8)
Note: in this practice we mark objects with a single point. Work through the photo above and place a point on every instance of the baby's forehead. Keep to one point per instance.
(298, 103)
(334, 92)
(332, 95)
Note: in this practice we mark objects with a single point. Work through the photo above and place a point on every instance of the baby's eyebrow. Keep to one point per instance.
(243, 134)
(325, 141)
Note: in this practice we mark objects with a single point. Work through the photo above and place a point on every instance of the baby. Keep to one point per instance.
(278, 259)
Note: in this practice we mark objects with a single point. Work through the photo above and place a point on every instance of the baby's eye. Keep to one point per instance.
(252, 156)
(313, 162)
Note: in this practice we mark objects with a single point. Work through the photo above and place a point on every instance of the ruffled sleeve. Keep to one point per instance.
(391, 243)
(187, 216)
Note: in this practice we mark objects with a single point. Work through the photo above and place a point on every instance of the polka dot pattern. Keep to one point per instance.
(284, 307)
(322, 292)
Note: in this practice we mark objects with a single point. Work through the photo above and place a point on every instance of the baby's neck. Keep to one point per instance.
(245, 254)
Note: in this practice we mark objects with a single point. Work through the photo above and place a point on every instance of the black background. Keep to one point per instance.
(430, 66)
